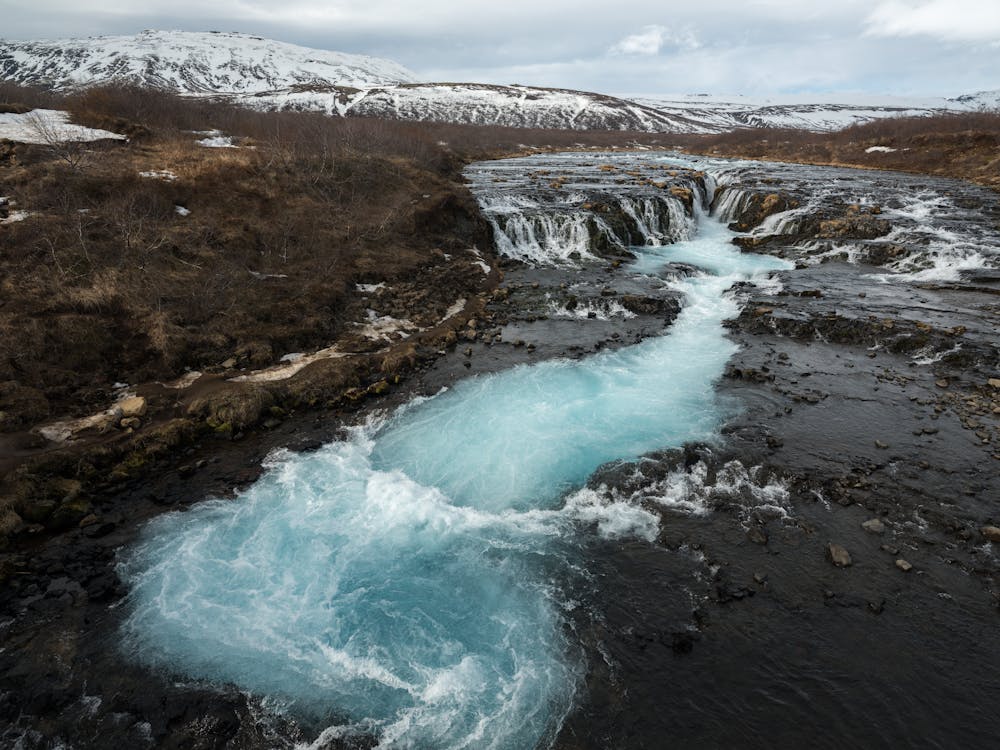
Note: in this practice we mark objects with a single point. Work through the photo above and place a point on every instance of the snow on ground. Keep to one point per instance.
(385, 327)
(159, 174)
(48, 126)
(880, 150)
(217, 140)
(15, 216)
(292, 364)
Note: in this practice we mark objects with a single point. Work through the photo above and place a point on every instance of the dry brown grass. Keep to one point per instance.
(966, 146)
(107, 282)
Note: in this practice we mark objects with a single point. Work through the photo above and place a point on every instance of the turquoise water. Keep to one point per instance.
(404, 582)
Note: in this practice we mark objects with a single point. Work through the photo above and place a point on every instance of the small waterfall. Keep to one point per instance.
(786, 222)
(546, 232)
(730, 203)
(660, 220)
(549, 237)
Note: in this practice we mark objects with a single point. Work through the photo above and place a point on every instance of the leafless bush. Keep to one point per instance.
(56, 139)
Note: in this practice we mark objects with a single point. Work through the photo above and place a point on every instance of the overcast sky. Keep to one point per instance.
(904, 47)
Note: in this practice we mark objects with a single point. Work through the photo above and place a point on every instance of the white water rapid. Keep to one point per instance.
(407, 582)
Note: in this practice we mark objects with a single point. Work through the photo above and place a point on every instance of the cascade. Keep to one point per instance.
(412, 582)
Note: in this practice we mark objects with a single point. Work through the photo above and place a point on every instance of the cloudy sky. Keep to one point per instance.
(903, 47)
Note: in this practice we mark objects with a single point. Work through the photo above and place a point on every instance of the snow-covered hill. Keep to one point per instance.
(191, 62)
(981, 100)
(481, 104)
(270, 75)
(727, 113)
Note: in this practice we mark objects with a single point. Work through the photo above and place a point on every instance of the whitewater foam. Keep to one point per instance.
(408, 582)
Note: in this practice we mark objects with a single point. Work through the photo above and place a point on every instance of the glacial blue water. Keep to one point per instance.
(405, 582)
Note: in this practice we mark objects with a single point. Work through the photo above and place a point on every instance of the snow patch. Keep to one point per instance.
(16, 216)
(285, 371)
(217, 141)
(385, 327)
(49, 127)
(159, 174)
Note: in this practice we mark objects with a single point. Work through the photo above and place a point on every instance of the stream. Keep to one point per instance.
(414, 581)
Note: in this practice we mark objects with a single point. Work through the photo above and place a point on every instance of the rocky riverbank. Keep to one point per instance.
(834, 555)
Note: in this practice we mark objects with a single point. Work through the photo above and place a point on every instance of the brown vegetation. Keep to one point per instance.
(143, 259)
(966, 146)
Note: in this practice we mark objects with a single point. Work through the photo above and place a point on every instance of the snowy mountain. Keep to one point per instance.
(727, 113)
(981, 100)
(190, 62)
(269, 75)
(480, 104)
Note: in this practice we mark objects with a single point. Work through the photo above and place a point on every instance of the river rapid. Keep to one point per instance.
(441, 578)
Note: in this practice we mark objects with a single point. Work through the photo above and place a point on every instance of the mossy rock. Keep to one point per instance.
(233, 409)
(68, 514)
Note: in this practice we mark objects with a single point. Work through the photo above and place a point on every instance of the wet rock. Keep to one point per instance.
(903, 565)
(859, 226)
(682, 643)
(757, 535)
(880, 444)
(838, 556)
(758, 207)
(874, 526)
(991, 533)
(648, 305)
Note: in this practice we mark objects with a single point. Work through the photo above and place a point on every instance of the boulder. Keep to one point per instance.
(991, 533)
(838, 556)
(132, 407)
(874, 526)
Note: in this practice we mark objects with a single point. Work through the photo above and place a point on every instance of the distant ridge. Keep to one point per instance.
(191, 63)
(269, 75)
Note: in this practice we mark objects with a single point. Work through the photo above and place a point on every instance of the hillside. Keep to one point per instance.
(190, 63)
(268, 75)
(961, 145)
(479, 104)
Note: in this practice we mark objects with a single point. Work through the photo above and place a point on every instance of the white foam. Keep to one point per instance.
(598, 309)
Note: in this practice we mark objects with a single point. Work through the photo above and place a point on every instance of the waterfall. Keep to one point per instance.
(730, 203)
(545, 233)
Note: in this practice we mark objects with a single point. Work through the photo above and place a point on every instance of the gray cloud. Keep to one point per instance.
(958, 20)
(649, 46)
